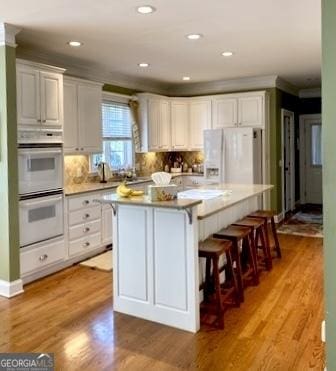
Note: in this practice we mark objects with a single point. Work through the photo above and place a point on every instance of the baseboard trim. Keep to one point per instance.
(11, 289)
(279, 218)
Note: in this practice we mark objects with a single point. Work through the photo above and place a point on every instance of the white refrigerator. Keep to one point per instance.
(233, 155)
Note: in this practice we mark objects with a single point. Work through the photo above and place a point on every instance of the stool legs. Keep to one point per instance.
(252, 252)
(262, 235)
(218, 293)
(232, 276)
(236, 257)
(275, 236)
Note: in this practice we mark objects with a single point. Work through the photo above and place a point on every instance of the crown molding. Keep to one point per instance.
(310, 93)
(7, 34)
(286, 86)
(90, 71)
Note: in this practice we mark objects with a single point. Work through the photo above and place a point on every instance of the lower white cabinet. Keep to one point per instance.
(107, 224)
(36, 258)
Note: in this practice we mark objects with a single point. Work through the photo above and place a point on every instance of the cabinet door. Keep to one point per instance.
(200, 119)
(70, 117)
(89, 118)
(180, 124)
(250, 111)
(225, 112)
(153, 124)
(164, 128)
(51, 87)
(28, 96)
(107, 215)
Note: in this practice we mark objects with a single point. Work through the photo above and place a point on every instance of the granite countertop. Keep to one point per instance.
(145, 201)
(76, 189)
(206, 208)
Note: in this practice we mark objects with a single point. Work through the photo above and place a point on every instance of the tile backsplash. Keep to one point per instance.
(77, 168)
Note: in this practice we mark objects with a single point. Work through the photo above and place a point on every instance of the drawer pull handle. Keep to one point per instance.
(87, 229)
(86, 216)
(86, 244)
(86, 202)
(43, 257)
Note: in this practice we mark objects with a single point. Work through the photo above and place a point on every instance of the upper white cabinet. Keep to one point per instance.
(251, 111)
(244, 109)
(82, 116)
(155, 129)
(199, 120)
(180, 124)
(39, 95)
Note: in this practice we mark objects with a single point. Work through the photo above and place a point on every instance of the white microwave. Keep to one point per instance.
(40, 169)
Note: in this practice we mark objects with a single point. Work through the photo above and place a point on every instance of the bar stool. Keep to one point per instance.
(266, 216)
(258, 233)
(212, 249)
(236, 235)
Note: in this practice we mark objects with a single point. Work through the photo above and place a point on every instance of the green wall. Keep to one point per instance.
(9, 208)
(329, 171)
(119, 89)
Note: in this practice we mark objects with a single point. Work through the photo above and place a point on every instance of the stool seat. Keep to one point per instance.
(232, 231)
(213, 246)
(263, 214)
(250, 222)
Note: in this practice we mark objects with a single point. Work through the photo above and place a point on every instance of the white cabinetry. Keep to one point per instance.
(244, 109)
(89, 224)
(180, 124)
(82, 116)
(199, 120)
(39, 95)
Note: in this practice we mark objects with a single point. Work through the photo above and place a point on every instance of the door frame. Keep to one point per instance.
(302, 141)
(284, 113)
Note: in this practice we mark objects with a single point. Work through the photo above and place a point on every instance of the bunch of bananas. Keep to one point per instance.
(124, 191)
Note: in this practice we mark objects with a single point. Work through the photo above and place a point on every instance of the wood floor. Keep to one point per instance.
(277, 328)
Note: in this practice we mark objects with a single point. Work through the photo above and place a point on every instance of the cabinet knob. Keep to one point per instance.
(86, 244)
(43, 257)
(86, 202)
(87, 229)
(76, 149)
(39, 120)
(82, 149)
(86, 216)
(44, 121)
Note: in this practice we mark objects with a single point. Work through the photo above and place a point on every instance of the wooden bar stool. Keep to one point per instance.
(258, 233)
(236, 235)
(268, 215)
(212, 250)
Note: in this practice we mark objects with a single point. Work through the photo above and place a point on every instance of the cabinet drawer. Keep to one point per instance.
(82, 245)
(83, 230)
(85, 215)
(40, 257)
(83, 201)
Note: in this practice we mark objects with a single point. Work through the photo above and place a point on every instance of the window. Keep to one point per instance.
(117, 137)
(316, 149)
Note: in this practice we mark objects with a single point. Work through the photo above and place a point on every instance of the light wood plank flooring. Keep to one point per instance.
(277, 328)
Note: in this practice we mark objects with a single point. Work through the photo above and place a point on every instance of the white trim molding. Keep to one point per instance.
(7, 34)
(11, 289)
(310, 93)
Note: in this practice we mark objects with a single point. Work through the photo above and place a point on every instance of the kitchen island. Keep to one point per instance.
(156, 270)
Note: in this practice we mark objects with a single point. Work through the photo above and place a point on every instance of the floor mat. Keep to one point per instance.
(103, 262)
(308, 224)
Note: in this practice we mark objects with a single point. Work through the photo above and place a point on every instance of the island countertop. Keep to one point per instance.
(145, 201)
(206, 208)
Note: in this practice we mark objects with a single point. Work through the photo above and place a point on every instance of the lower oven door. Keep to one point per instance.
(41, 219)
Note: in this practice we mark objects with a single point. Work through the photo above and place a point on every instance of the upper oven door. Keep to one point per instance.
(40, 170)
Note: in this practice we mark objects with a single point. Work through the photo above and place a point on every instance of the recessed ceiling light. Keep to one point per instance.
(75, 43)
(227, 54)
(145, 9)
(186, 78)
(143, 65)
(194, 36)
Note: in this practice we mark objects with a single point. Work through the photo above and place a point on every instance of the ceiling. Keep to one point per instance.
(268, 37)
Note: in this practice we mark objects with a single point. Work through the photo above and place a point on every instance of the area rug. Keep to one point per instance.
(103, 262)
(307, 224)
